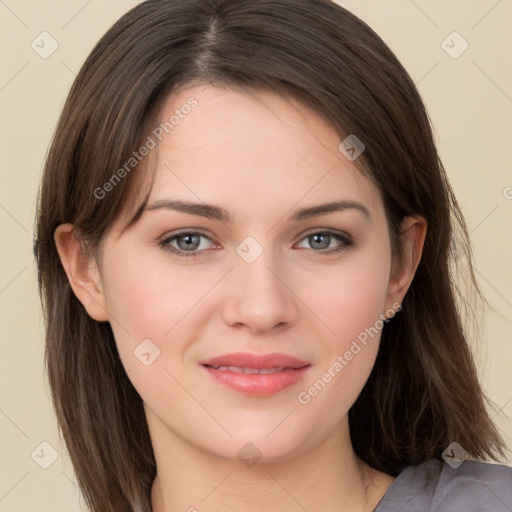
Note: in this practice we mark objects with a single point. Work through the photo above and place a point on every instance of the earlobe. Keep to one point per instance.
(82, 272)
(412, 239)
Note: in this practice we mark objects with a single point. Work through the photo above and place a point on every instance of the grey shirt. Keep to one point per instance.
(435, 486)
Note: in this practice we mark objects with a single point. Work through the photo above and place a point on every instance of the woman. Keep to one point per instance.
(244, 247)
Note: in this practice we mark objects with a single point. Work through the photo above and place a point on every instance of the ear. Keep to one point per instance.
(412, 237)
(82, 271)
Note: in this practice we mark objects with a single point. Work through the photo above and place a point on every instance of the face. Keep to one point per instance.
(270, 276)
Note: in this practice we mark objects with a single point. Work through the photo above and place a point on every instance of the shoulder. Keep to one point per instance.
(479, 473)
(477, 486)
(435, 486)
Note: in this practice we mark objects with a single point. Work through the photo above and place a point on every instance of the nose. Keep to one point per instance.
(260, 296)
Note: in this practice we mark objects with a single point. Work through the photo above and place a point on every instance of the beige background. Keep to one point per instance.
(470, 102)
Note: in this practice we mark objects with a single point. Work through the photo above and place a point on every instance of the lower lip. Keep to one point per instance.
(258, 384)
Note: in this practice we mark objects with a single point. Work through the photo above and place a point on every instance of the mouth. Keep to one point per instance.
(240, 369)
(258, 375)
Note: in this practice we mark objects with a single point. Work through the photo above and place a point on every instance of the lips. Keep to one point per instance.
(247, 360)
(241, 369)
(255, 374)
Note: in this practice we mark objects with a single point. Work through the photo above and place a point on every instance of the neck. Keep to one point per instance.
(329, 477)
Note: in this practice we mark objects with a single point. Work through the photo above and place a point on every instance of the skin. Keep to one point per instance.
(261, 157)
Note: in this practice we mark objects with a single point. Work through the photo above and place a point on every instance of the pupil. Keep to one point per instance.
(189, 240)
(320, 236)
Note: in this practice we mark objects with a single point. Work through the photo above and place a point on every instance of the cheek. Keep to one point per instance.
(149, 295)
(352, 297)
(350, 307)
(146, 300)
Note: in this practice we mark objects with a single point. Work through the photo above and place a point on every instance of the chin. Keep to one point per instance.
(266, 445)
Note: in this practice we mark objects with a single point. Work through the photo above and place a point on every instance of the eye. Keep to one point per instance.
(189, 243)
(321, 240)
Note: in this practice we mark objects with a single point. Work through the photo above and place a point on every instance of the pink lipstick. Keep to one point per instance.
(254, 374)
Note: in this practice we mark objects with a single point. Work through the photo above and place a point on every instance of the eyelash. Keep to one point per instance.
(346, 243)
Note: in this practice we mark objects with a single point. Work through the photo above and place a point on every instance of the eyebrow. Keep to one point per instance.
(213, 212)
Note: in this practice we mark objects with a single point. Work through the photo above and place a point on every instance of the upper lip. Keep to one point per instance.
(263, 361)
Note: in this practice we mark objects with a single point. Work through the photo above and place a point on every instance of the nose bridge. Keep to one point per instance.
(260, 299)
(255, 266)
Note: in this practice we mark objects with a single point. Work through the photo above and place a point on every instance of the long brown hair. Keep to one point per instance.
(423, 392)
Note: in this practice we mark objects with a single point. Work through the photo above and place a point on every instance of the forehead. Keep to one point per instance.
(250, 151)
(231, 122)
(248, 135)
